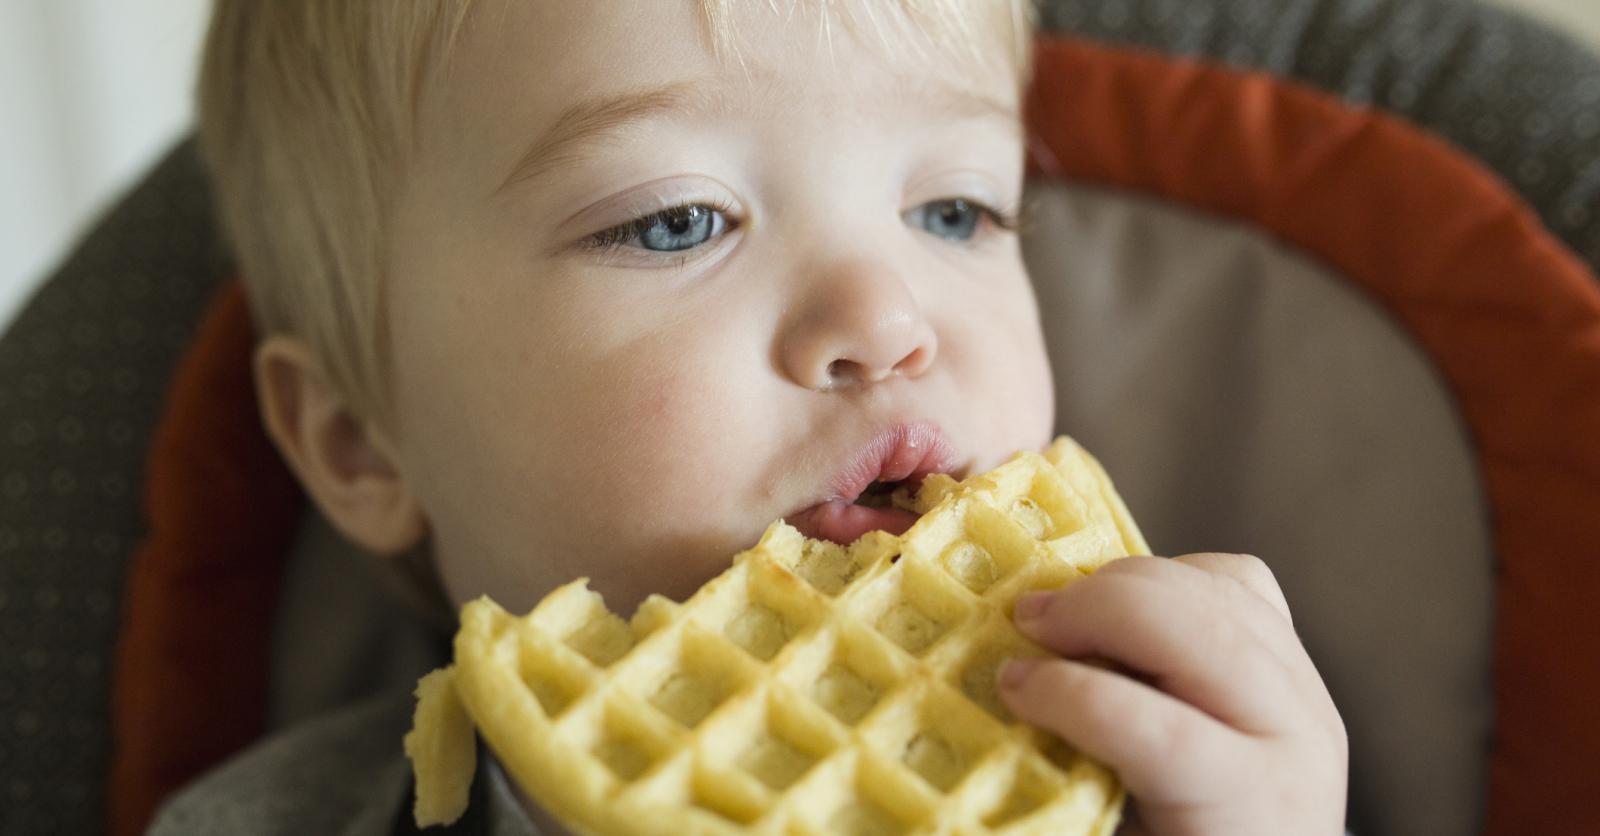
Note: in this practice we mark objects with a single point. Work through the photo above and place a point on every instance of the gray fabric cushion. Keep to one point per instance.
(1245, 399)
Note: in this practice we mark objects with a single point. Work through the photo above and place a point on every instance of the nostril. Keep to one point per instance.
(843, 371)
(913, 362)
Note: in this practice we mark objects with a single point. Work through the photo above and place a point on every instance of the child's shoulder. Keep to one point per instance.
(342, 773)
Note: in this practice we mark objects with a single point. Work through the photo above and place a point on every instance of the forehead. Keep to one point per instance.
(547, 71)
(564, 38)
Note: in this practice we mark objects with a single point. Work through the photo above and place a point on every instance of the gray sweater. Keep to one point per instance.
(343, 774)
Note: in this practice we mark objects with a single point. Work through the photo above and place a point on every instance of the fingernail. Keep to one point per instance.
(1031, 605)
(1015, 670)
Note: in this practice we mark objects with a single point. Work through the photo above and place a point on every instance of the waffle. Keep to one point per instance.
(811, 688)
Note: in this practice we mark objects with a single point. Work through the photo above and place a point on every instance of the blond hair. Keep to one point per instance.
(308, 112)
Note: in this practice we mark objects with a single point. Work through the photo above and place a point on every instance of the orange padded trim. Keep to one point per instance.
(1510, 318)
(190, 683)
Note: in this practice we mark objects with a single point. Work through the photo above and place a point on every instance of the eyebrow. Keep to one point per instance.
(587, 123)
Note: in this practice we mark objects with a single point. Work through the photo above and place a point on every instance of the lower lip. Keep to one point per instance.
(843, 522)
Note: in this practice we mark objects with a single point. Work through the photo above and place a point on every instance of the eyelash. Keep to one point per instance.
(614, 238)
(1009, 220)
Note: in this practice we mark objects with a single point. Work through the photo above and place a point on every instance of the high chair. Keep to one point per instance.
(1318, 283)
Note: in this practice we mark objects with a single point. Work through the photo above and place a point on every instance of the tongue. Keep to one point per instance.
(842, 522)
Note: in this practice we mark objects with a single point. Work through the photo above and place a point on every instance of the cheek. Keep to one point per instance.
(1030, 391)
(1038, 381)
(673, 447)
(619, 473)
(1001, 361)
(660, 434)
(664, 427)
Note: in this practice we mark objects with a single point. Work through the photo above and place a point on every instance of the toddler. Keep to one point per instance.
(552, 289)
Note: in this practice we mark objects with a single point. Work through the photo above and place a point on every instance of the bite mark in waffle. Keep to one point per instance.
(811, 688)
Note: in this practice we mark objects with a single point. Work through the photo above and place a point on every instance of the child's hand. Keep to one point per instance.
(1221, 725)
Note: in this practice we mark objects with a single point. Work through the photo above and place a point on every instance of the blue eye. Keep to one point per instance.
(679, 229)
(955, 219)
(668, 231)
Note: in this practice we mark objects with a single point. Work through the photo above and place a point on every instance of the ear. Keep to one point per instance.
(339, 456)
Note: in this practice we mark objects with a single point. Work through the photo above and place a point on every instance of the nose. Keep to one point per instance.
(857, 322)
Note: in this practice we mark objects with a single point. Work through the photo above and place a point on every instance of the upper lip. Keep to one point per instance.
(905, 452)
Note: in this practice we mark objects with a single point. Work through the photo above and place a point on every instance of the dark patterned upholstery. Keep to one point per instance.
(82, 374)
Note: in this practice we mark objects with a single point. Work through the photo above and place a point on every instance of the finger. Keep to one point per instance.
(1248, 571)
(1237, 579)
(1163, 750)
(1184, 635)
(1194, 574)
(1254, 576)
(1253, 593)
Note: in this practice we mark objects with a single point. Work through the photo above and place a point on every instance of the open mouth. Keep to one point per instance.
(862, 498)
(844, 522)
(879, 494)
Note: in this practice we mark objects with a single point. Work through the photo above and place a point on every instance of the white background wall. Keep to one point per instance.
(92, 91)
(1581, 17)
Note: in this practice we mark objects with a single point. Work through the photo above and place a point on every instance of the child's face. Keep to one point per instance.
(637, 414)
